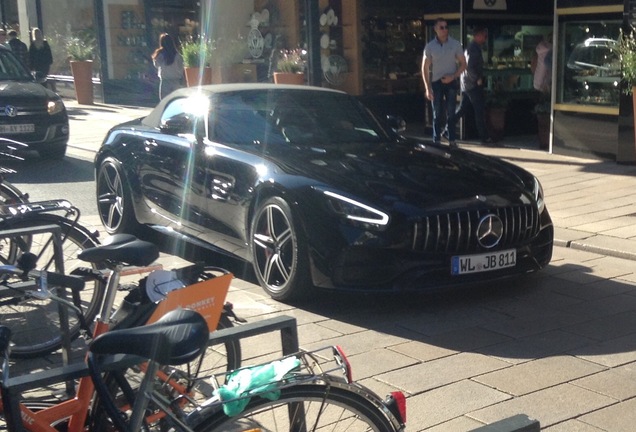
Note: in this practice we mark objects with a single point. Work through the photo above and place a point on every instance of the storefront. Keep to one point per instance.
(372, 49)
(514, 30)
(131, 30)
(588, 81)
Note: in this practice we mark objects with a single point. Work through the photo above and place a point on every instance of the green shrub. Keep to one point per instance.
(627, 52)
(195, 53)
(81, 47)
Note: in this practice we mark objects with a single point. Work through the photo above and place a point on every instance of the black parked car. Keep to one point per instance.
(29, 112)
(314, 190)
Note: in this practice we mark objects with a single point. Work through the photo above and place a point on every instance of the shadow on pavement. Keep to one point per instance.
(35, 170)
(566, 309)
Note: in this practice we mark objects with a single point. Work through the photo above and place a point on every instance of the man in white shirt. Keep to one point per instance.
(442, 64)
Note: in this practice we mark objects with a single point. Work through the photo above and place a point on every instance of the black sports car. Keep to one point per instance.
(314, 190)
(29, 112)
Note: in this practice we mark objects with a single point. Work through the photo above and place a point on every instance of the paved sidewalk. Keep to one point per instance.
(559, 345)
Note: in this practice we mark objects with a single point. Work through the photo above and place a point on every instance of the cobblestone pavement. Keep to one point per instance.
(559, 345)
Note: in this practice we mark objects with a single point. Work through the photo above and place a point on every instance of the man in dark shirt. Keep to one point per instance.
(19, 48)
(472, 83)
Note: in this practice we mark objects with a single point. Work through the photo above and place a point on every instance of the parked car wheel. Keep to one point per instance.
(113, 199)
(279, 252)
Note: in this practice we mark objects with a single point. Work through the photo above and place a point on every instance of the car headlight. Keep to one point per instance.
(55, 106)
(538, 195)
(356, 211)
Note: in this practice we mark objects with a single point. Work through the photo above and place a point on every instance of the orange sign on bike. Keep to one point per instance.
(206, 297)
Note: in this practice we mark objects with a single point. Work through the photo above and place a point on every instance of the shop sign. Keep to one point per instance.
(490, 4)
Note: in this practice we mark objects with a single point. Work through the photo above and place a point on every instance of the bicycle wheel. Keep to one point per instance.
(307, 407)
(219, 357)
(193, 379)
(9, 194)
(216, 359)
(35, 323)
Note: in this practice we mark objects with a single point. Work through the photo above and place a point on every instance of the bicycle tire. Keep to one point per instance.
(339, 406)
(216, 359)
(229, 353)
(10, 194)
(35, 323)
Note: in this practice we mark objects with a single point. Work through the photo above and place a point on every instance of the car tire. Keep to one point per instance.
(114, 203)
(279, 251)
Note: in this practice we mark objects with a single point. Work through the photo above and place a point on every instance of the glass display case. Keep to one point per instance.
(508, 55)
(590, 64)
(392, 53)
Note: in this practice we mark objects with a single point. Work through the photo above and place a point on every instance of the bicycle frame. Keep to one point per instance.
(76, 409)
(23, 210)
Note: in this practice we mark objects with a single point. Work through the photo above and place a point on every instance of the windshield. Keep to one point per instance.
(11, 68)
(292, 117)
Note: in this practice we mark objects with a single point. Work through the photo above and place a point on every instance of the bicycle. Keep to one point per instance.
(299, 392)
(39, 228)
(10, 194)
(73, 412)
(197, 285)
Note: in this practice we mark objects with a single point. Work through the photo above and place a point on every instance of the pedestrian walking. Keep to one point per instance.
(40, 56)
(169, 64)
(472, 84)
(442, 64)
(18, 47)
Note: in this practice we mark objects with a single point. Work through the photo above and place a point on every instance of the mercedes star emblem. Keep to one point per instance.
(489, 231)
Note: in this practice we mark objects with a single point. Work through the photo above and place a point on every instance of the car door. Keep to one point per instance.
(236, 164)
(172, 180)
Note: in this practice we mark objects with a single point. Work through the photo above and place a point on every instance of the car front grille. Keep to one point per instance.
(28, 110)
(31, 113)
(456, 232)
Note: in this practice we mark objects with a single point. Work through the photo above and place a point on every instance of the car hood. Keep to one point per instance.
(412, 174)
(12, 90)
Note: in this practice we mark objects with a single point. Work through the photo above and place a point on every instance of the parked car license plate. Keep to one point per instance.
(464, 264)
(17, 128)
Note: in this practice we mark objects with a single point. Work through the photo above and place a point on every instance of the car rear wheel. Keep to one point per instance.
(279, 251)
(113, 199)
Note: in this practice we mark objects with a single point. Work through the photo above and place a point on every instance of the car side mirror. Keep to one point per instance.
(176, 125)
(396, 123)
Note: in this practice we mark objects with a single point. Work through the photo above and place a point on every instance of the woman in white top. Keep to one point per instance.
(169, 64)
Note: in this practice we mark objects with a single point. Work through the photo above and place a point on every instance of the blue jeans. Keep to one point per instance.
(476, 98)
(444, 92)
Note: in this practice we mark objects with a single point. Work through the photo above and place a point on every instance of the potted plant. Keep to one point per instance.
(290, 67)
(626, 48)
(496, 107)
(80, 49)
(196, 58)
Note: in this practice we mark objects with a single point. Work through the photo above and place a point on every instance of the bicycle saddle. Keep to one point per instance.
(178, 337)
(123, 248)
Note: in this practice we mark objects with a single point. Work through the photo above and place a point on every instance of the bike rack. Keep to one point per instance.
(14, 387)
(58, 259)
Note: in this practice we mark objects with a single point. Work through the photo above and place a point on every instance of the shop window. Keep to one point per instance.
(590, 62)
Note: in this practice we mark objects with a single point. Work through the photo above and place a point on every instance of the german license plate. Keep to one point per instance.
(464, 264)
(17, 128)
